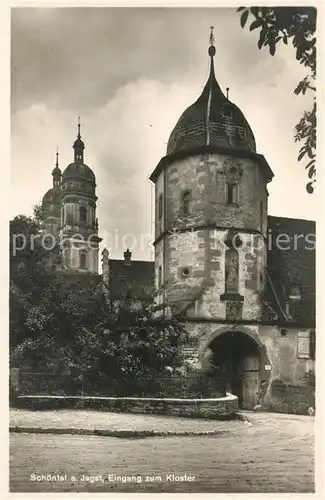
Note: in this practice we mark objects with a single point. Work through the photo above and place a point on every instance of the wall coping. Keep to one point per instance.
(228, 397)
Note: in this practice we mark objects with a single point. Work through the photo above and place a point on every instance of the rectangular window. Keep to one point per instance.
(231, 194)
(160, 207)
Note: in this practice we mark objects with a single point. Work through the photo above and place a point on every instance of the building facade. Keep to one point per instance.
(70, 213)
(247, 300)
(217, 258)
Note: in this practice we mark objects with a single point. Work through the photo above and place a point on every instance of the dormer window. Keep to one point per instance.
(227, 111)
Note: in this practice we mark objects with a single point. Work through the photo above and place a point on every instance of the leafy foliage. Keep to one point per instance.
(62, 323)
(130, 343)
(298, 26)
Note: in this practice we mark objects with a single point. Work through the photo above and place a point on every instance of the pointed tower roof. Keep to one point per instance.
(212, 120)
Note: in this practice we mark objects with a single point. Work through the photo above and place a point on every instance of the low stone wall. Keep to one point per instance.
(212, 408)
(286, 398)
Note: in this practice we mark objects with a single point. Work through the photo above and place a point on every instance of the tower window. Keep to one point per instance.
(231, 271)
(83, 214)
(67, 261)
(186, 199)
(160, 206)
(159, 276)
(82, 261)
(231, 193)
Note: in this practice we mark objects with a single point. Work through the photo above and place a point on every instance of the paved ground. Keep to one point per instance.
(79, 419)
(275, 454)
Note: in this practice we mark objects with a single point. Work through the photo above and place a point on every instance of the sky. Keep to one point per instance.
(130, 73)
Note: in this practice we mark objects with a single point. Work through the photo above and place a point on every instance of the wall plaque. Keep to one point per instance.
(234, 310)
(303, 345)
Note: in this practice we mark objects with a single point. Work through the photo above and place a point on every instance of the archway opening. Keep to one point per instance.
(237, 357)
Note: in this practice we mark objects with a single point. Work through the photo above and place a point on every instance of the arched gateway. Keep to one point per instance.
(241, 360)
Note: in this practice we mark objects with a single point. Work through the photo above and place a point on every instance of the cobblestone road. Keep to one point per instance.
(275, 454)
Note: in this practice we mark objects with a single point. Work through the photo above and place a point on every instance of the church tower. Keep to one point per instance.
(79, 226)
(211, 212)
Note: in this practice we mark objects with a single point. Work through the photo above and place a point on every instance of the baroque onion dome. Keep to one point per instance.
(211, 121)
(77, 171)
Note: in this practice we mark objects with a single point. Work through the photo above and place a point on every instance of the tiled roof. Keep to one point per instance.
(215, 116)
(136, 279)
(292, 265)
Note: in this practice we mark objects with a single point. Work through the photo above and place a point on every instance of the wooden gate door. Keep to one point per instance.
(250, 381)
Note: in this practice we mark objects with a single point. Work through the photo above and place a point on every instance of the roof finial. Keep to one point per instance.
(79, 136)
(57, 156)
(211, 35)
(227, 90)
(212, 49)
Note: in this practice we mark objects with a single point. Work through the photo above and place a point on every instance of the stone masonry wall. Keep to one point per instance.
(203, 175)
(289, 379)
(194, 253)
(283, 355)
(195, 271)
(193, 408)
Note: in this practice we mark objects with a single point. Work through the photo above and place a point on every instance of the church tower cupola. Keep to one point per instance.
(78, 146)
(78, 214)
